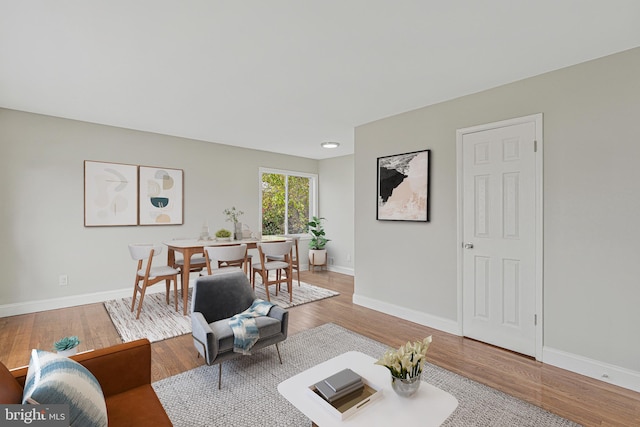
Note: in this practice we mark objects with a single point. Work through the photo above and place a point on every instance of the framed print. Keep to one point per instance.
(403, 187)
(110, 194)
(161, 196)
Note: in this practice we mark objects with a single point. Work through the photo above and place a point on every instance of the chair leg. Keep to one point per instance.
(167, 291)
(135, 294)
(144, 289)
(278, 350)
(175, 292)
(265, 279)
(219, 375)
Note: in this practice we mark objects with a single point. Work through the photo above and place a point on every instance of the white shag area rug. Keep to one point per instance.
(249, 394)
(159, 321)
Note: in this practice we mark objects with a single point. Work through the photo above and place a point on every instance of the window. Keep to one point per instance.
(287, 200)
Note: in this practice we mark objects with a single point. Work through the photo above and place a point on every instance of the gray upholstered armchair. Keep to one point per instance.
(218, 298)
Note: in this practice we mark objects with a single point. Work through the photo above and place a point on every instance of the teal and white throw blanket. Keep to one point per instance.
(245, 327)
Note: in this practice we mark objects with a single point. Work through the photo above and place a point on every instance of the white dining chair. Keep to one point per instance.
(225, 258)
(196, 263)
(264, 267)
(150, 275)
(295, 257)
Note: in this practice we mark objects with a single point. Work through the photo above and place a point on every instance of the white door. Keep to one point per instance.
(499, 236)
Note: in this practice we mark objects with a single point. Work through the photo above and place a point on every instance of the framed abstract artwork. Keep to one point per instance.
(403, 187)
(110, 194)
(161, 196)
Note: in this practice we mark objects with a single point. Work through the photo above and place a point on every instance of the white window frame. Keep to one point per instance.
(313, 194)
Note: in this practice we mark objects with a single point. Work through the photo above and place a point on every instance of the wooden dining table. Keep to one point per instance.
(190, 247)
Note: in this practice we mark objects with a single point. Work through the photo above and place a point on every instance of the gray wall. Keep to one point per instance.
(41, 221)
(336, 195)
(591, 206)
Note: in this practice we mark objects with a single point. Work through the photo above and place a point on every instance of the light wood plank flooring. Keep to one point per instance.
(581, 399)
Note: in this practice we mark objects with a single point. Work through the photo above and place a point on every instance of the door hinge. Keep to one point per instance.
(535, 146)
(535, 320)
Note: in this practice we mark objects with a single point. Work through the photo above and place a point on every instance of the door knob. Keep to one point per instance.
(468, 245)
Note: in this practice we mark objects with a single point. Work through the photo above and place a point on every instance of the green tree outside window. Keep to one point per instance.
(285, 203)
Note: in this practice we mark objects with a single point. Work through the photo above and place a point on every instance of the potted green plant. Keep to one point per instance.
(317, 251)
(223, 234)
(233, 216)
(67, 346)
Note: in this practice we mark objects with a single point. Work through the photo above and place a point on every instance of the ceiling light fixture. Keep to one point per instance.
(330, 144)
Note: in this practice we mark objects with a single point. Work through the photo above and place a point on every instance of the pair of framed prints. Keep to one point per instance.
(121, 194)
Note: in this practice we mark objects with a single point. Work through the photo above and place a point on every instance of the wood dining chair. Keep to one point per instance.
(281, 268)
(150, 275)
(295, 259)
(197, 262)
(226, 258)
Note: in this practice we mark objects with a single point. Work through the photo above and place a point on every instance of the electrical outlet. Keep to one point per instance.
(348, 257)
(63, 280)
(331, 260)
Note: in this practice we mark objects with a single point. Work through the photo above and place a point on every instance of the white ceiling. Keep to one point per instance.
(285, 75)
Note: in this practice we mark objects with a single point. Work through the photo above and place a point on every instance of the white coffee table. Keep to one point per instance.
(430, 406)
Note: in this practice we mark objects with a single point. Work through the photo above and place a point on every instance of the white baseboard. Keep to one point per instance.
(62, 302)
(611, 374)
(343, 270)
(608, 373)
(419, 317)
(336, 268)
(71, 301)
(26, 307)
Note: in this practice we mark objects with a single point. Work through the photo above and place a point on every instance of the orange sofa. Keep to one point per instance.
(124, 373)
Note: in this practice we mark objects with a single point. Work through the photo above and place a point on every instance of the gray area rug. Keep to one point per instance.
(159, 321)
(249, 394)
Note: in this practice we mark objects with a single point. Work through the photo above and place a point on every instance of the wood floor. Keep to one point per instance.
(581, 399)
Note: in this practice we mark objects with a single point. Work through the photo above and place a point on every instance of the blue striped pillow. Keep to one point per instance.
(55, 379)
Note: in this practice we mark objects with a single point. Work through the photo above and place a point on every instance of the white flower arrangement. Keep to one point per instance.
(407, 361)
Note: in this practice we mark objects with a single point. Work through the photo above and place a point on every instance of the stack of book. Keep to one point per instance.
(342, 384)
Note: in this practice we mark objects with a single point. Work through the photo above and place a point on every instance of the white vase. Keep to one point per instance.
(237, 231)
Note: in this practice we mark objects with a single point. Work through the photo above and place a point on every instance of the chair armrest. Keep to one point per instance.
(205, 336)
(120, 367)
(282, 315)
(117, 368)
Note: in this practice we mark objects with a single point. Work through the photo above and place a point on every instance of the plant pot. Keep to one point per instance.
(405, 387)
(317, 257)
(68, 352)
